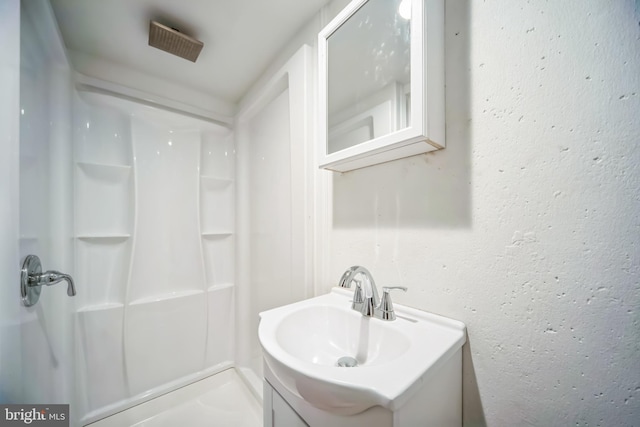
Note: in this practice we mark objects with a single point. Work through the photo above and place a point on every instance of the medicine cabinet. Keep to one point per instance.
(381, 83)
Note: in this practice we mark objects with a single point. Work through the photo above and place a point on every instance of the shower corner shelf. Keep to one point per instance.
(220, 286)
(214, 182)
(215, 177)
(214, 234)
(105, 172)
(105, 236)
(165, 297)
(100, 307)
(103, 165)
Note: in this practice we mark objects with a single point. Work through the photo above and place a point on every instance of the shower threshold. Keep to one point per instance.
(220, 400)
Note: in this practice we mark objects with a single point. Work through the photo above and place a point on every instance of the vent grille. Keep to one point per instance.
(174, 42)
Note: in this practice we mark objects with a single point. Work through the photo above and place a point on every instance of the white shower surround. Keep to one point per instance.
(154, 209)
(128, 337)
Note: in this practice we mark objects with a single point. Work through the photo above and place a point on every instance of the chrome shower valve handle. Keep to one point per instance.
(32, 279)
(52, 277)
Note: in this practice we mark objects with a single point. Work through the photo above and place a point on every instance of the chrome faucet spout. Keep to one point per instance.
(366, 294)
(345, 280)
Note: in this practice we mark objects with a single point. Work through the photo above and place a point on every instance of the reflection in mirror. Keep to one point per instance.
(369, 67)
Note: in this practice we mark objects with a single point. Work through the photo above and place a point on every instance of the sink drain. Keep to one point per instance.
(347, 362)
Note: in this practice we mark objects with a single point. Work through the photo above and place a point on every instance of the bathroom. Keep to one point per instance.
(524, 227)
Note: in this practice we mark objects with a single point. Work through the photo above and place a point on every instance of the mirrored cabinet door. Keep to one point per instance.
(381, 82)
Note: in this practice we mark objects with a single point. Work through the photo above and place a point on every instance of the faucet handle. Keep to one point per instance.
(387, 289)
(51, 277)
(385, 310)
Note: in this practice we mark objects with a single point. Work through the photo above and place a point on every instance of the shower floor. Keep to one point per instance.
(221, 400)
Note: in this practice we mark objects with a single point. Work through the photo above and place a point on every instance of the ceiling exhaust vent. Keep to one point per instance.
(173, 41)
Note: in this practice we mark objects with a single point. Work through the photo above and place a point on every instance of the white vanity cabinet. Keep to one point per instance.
(277, 412)
(436, 403)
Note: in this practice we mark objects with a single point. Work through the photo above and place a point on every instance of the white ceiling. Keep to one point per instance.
(240, 37)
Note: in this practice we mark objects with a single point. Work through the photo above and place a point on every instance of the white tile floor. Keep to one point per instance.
(221, 400)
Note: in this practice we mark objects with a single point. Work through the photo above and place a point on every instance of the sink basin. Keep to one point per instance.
(322, 334)
(389, 361)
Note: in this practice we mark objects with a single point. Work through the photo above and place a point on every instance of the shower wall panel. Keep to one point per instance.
(154, 208)
(167, 257)
(270, 217)
(274, 210)
(101, 354)
(42, 333)
(11, 384)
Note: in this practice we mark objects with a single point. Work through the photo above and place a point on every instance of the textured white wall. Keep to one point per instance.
(526, 226)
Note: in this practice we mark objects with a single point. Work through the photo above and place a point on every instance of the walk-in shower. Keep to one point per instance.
(173, 251)
(154, 236)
